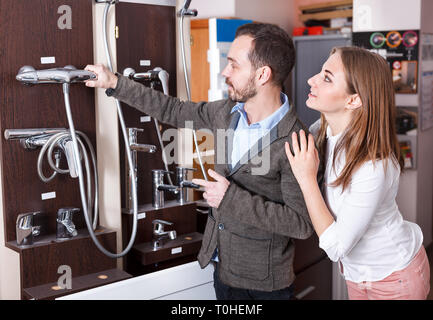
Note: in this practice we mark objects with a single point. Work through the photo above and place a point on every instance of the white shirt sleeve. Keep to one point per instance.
(359, 203)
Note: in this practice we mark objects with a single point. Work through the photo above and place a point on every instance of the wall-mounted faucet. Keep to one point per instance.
(159, 187)
(65, 226)
(32, 139)
(184, 184)
(159, 235)
(25, 229)
(68, 74)
(135, 147)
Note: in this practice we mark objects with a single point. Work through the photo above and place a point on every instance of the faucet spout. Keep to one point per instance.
(143, 147)
(159, 235)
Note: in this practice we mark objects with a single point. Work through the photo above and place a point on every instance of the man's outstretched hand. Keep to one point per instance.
(105, 78)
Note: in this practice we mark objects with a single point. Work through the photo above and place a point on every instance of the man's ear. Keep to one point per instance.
(354, 102)
(264, 75)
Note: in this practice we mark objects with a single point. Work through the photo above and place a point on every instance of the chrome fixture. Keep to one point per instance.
(185, 11)
(14, 134)
(156, 75)
(132, 134)
(31, 139)
(61, 140)
(184, 184)
(158, 188)
(135, 147)
(127, 148)
(25, 229)
(107, 1)
(69, 139)
(151, 75)
(68, 74)
(65, 226)
(159, 235)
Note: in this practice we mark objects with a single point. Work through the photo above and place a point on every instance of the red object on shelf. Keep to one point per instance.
(307, 31)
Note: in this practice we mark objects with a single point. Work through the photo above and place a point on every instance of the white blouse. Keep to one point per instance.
(369, 235)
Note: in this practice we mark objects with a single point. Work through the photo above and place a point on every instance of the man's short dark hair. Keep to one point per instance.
(272, 47)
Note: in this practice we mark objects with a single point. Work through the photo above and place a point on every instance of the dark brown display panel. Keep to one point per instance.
(32, 29)
(146, 33)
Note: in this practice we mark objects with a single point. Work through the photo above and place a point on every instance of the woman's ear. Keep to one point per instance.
(264, 75)
(354, 102)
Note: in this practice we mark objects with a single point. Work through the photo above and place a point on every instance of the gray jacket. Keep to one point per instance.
(260, 213)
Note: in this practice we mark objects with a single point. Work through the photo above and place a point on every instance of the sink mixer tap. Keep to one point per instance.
(159, 235)
(135, 147)
(159, 187)
(65, 226)
(25, 229)
(184, 184)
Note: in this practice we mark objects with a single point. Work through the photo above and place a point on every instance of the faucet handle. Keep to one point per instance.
(134, 130)
(158, 226)
(159, 221)
(128, 72)
(189, 184)
(64, 213)
(185, 169)
(181, 173)
(159, 172)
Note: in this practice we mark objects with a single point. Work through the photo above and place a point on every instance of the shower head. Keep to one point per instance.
(187, 12)
(68, 74)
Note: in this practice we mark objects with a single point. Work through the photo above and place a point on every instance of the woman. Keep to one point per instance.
(358, 223)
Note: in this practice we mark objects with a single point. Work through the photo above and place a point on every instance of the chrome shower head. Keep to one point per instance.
(68, 74)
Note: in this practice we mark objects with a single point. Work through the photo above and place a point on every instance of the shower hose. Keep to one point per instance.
(75, 144)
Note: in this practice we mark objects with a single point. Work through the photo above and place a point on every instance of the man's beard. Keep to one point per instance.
(245, 93)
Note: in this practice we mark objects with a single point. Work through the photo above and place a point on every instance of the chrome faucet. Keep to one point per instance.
(65, 225)
(25, 229)
(32, 138)
(135, 147)
(159, 235)
(159, 187)
(132, 134)
(184, 184)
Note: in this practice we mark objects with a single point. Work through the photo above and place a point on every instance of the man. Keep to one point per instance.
(255, 213)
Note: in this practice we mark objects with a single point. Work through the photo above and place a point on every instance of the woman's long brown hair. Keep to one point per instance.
(371, 135)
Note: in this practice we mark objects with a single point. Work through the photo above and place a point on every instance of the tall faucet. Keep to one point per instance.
(135, 147)
(158, 188)
(159, 235)
(184, 184)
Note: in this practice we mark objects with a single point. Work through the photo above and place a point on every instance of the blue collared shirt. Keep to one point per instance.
(245, 136)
